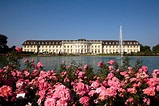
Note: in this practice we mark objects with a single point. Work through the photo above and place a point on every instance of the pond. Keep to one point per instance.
(52, 62)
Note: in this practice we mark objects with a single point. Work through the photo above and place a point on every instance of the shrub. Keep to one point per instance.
(78, 85)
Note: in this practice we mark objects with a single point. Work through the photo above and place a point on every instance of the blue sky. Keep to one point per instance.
(21, 20)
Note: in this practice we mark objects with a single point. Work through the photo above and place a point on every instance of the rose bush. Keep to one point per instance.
(78, 85)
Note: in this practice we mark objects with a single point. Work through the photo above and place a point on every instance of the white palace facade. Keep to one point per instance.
(80, 46)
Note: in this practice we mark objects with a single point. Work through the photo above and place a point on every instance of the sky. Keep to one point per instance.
(22, 20)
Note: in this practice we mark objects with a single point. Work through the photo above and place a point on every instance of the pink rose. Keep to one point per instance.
(32, 61)
(68, 66)
(81, 88)
(118, 70)
(110, 92)
(130, 99)
(18, 49)
(26, 61)
(91, 93)
(132, 90)
(95, 84)
(110, 68)
(145, 68)
(5, 91)
(61, 102)
(62, 93)
(81, 74)
(40, 65)
(100, 64)
(110, 75)
(50, 102)
(85, 66)
(84, 100)
(157, 88)
(35, 73)
(150, 91)
(63, 73)
(66, 79)
(111, 62)
(147, 101)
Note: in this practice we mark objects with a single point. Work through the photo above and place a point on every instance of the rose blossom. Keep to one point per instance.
(110, 68)
(100, 64)
(149, 91)
(63, 73)
(118, 70)
(157, 88)
(50, 102)
(5, 91)
(110, 75)
(26, 73)
(26, 61)
(111, 62)
(66, 79)
(155, 73)
(100, 89)
(40, 65)
(145, 68)
(133, 79)
(68, 67)
(85, 66)
(95, 84)
(110, 92)
(18, 49)
(81, 88)
(105, 83)
(19, 84)
(81, 74)
(114, 82)
(124, 73)
(129, 100)
(132, 90)
(91, 93)
(142, 75)
(102, 95)
(84, 100)
(61, 102)
(42, 94)
(62, 92)
(147, 101)
(35, 73)
(74, 105)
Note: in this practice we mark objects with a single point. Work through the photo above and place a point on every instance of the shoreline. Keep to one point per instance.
(51, 55)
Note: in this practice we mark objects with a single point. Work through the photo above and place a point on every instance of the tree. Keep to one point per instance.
(3, 44)
(155, 48)
(145, 48)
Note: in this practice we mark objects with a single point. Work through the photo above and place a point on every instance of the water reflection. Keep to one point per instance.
(53, 62)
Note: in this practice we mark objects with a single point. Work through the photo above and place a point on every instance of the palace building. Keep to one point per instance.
(80, 46)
